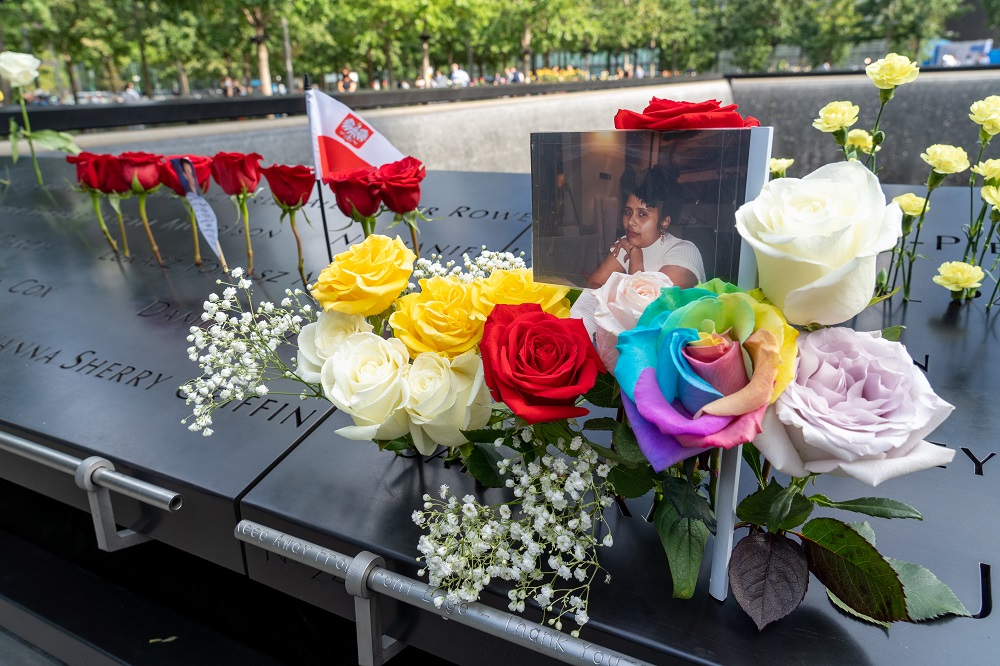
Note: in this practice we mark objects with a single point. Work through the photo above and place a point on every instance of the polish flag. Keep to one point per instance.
(341, 139)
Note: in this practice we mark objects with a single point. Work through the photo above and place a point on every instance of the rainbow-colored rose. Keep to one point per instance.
(700, 368)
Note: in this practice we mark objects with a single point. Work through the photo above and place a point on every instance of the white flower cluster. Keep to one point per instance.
(236, 348)
(544, 541)
(471, 269)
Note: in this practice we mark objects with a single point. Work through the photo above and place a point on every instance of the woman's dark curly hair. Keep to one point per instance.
(652, 186)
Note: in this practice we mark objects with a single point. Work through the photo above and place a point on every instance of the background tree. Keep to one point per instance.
(825, 29)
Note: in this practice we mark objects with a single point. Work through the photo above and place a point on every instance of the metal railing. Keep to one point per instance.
(366, 579)
(97, 476)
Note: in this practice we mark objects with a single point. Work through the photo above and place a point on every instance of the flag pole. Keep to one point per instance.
(319, 181)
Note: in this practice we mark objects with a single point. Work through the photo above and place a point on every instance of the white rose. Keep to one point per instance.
(19, 69)
(366, 378)
(446, 398)
(616, 307)
(816, 240)
(319, 339)
(858, 407)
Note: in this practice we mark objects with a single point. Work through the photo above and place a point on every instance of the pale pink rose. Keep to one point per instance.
(858, 407)
(616, 307)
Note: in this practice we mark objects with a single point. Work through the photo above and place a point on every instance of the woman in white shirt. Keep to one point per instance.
(646, 245)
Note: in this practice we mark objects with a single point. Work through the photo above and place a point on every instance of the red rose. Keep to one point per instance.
(537, 363)
(202, 173)
(99, 172)
(85, 175)
(401, 184)
(141, 170)
(290, 185)
(236, 173)
(665, 114)
(356, 189)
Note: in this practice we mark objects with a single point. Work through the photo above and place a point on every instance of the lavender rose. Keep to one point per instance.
(858, 406)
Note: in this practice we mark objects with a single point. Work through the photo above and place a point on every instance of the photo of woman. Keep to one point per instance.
(628, 201)
(647, 244)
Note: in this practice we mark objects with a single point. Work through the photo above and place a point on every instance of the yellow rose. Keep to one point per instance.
(986, 112)
(958, 275)
(365, 279)
(836, 116)
(891, 71)
(516, 287)
(989, 170)
(991, 195)
(911, 204)
(779, 165)
(946, 159)
(441, 318)
(862, 140)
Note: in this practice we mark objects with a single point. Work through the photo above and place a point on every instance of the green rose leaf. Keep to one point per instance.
(605, 392)
(573, 295)
(483, 436)
(684, 541)
(752, 457)
(601, 423)
(631, 482)
(482, 459)
(892, 333)
(769, 576)
(775, 506)
(879, 507)
(53, 140)
(852, 569)
(865, 530)
(926, 596)
(688, 502)
(850, 611)
(627, 446)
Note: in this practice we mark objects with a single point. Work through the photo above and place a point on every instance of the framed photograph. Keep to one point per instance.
(623, 201)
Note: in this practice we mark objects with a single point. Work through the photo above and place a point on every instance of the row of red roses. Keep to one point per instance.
(360, 193)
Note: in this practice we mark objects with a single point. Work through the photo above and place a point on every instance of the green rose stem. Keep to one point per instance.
(416, 245)
(298, 244)
(194, 232)
(245, 214)
(933, 180)
(884, 96)
(899, 250)
(95, 197)
(714, 462)
(145, 223)
(31, 144)
(115, 202)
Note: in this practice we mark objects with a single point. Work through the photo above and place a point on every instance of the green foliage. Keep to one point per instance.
(684, 541)
(631, 482)
(775, 507)
(482, 459)
(879, 507)
(852, 569)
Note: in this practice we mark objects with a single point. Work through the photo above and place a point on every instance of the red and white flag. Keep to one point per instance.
(341, 139)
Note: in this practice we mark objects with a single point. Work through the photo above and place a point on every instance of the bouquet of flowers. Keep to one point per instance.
(963, 277)
(480, 365)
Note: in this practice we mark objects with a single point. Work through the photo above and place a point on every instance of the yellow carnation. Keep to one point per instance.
(862, 140)
(836, 116)
(946, 159)
(991, 195)
(989, 170)
(891, 71)
(441, 318)
(911, 204)
(986, 112)
(516, 287)
(958, 275)
(365, 279)
(779, 165)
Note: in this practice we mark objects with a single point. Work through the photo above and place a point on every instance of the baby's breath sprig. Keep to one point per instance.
(237, 348)
(544, 541)
(471, 269)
